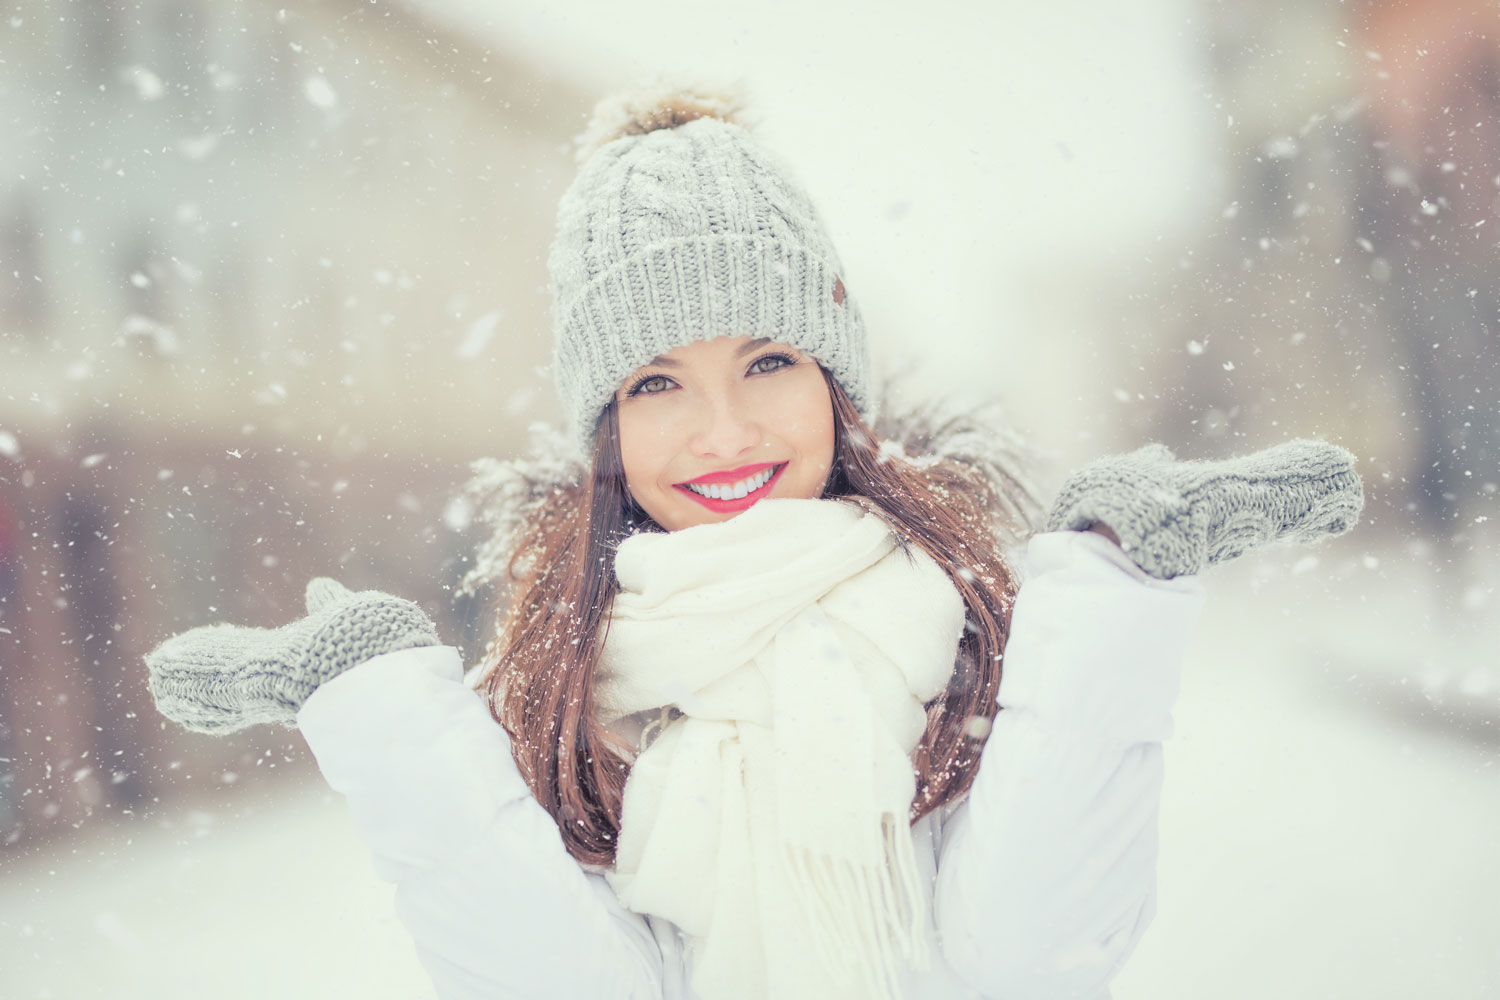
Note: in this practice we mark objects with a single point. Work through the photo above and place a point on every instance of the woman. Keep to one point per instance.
(751, 674)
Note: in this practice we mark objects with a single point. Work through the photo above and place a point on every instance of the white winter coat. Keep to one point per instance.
(1042, 878)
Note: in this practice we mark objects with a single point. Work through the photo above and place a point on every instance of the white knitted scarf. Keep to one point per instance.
(769, 821)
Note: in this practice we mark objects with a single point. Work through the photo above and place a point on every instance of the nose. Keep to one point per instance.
(728, 427)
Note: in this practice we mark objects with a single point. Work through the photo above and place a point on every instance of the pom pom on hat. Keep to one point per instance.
(655, 106)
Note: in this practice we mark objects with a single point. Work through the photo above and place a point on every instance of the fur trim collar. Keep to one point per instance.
(502, 493)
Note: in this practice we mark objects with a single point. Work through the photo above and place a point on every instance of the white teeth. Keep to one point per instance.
(733, 491)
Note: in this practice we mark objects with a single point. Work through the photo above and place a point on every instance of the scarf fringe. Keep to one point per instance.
(864, 919)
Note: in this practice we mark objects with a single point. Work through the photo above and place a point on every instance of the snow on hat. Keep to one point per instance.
(679, 227)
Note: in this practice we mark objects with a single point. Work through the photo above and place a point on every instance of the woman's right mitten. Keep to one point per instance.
(1174, 518)
(219, 678)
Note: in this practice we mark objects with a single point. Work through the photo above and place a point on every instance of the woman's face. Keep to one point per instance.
(735, 418)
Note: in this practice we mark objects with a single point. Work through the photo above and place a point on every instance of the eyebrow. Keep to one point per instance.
(665, 362)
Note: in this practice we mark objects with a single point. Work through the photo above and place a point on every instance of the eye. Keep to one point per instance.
(639, 386)
(782, 361)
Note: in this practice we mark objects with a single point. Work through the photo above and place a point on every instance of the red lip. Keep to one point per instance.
(742, 503)
(732, 476)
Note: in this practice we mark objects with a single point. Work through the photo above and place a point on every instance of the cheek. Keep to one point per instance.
(634, 455)
(646, 445)
(810, 417)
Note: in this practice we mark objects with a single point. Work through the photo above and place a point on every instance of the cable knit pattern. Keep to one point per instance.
(219, 678)
(1174, 518)
(686, 234)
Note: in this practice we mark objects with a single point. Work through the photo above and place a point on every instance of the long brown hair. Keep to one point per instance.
(538, 677)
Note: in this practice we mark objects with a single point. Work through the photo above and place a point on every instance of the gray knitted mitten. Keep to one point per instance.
(1174, 518)
(219, 678)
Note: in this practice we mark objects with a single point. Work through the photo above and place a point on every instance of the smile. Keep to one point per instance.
(734, 496)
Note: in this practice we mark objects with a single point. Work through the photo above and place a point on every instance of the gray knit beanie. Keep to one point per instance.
(679, 227)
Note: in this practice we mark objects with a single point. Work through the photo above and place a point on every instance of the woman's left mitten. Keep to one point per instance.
(1174, 518)
(219, 678)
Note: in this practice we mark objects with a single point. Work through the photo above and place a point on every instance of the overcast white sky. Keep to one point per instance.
(981, 165)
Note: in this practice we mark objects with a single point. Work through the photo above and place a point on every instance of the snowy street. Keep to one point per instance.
(1327, 832)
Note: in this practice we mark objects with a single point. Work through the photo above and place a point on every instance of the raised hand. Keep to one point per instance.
(219, 678)
(1173, 517)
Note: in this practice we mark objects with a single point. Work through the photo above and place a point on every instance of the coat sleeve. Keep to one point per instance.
(493, 901)
(1047, 871)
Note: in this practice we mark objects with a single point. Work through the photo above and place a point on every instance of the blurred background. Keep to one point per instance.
(272, 274)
